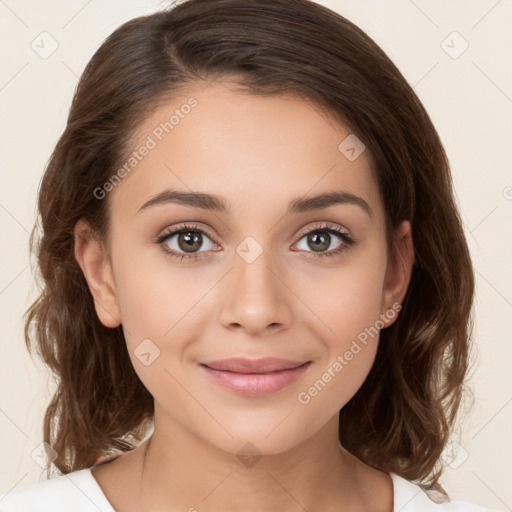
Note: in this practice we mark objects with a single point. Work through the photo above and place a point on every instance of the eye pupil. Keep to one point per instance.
(190, 242)
(319, 241)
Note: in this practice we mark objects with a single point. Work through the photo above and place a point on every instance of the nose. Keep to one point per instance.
(255, 296)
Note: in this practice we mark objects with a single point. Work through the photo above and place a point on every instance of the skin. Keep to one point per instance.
(258, 153)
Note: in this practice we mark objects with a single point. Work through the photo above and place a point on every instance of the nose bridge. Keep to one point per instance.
(254, 297)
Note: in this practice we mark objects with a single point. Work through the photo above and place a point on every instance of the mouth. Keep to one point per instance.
(255, 377)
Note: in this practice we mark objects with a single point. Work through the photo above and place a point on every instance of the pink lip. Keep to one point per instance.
(256, 376)
(243, 365)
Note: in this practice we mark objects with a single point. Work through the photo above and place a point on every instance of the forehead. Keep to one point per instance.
(251, 150)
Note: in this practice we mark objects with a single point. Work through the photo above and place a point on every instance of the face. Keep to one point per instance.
(264, 274)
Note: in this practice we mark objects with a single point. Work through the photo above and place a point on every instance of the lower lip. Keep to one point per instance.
(256, 384)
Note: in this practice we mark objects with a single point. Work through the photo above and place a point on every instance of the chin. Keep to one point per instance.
(261, 439)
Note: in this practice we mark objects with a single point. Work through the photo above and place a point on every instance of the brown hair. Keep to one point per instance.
(400, 419)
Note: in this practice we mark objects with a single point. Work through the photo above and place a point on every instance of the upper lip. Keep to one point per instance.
(243, 365)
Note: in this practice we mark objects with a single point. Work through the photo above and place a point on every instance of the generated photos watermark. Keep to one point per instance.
(304, 397)
(151, 142)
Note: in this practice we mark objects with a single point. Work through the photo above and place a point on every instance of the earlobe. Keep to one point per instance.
(398, 272)
(91, 255)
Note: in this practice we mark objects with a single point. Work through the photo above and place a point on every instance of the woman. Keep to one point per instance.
(257, 288)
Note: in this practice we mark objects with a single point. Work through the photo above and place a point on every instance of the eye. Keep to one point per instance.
(320, 239)
(184, 241)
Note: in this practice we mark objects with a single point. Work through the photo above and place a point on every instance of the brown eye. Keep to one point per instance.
(189, 241)
(185, 242)
(324, 241)
(318, 241)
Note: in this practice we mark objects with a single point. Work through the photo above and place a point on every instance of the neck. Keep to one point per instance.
(181, 472)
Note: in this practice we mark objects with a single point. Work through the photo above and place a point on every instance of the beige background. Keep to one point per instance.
(469, 99)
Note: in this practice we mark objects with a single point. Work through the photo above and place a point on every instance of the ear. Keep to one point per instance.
(92, 256)
(398, 272)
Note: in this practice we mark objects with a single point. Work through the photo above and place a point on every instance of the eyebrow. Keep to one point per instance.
(216, 203)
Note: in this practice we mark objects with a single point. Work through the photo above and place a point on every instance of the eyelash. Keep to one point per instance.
(348, 241)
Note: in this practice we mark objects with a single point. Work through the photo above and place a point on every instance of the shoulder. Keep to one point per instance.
(77, 491)
(409, 497)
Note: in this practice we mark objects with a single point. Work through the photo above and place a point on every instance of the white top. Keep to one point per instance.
(79, 491)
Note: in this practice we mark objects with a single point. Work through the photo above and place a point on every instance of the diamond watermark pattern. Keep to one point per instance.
(454, 454)
(249, 455)
(43, 455)
(351, 147)
(44, 45)
(249, 249)
(454, 45)
(146, 352)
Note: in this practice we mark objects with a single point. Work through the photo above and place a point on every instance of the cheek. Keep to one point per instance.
(164, 311)
(344, 299)
(155, 294)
